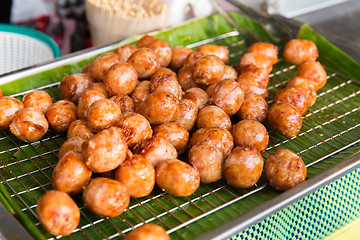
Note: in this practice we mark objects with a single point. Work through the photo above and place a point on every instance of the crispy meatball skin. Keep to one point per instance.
(1, 94)
(124, 52)
(192, 59)
(254, 108)
(141, 92)
(103, 114)
(254, 80)
(243, 167)
(305, 85)
(177, 177)
(163, 51)
(145, 62)
(313, 71)
(72, 86)
(175, 133)
(198, 96)
(145, 41)
(267, 49)
(284, 170)
(229, 73)
(71, 144)
(213, 116)
(124, 102)
(178, 57)
(185, 78)
(138, 175)
(148, 231)
(106, 197)
(249, 133)
(285, 119)
(61, 114)
(29, 125)
(86, 100)
(70, 174)
(187, 114)
(58, 213)
(208, 70)
(40, 100)
(79, 128)
(121, 78)
(166, 83)
(221, 52)
(105, 150)
(255, 59)
(101, 64)
(9, 107)
(294, 96)
(298, 51)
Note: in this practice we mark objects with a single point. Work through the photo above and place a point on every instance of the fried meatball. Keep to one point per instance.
(284, 170)
(298, 51)
(163, 51)
(213, 116)
(229, 73)
(220, 51)
(256, 59)
(79, 128)
(148, 231)
(70, 174)
(192, 59)
(101, 64)
(72, 86)
(285, 119)
(100, 87)
(267, 49)
(106, 197)
(208, 69)
(145, 62)
(208, 160)
(175, 133)
(86, 100)
(198, 96)
(145, 40)
(29, 125)
(254, 80)
(163, 71)
(124, 52)
(61, 114)
(313, 71)
(227, 95)
(141, 92)
(166, 83)
(1, 94)
(138, 175)
(9, 108)
(136, 128)
(306, 86)
(71, 144)
(159, 107)
(121, 78)
(177, 177)
(86, 69)
(156, 150)
(40, 100)
(254, 108)
(124, 102)
(243, 167)
(58, 213)
(105, 150)
(294, 96)
(187, 114)
(103, 114)
(178, 57)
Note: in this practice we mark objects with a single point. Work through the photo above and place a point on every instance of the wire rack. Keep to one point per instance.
(329, 127)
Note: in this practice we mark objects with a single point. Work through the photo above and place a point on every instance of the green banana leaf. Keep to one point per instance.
(26, 169)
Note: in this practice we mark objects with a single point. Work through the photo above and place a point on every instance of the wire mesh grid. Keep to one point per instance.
(330, 126)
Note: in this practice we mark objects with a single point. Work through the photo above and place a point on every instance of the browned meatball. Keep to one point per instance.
(219, 137)
(166, 83)
(61, 114)
(105, 150)
(254, 108)
(58, 213)
(29, 125)
(257, 59)
(208, 69)
(102, 63)
(285, 119)
(106, 197)
(298, 51)
(100, 87)
(79, 128)
(213, 116)
(179, 55)
(249, 133)
(148, 231)
(103, 114)
(9, 107)
(208, 160)
(86, 69)
(254, 80)
(163, 51)
(86, 100)
(306, 86)
(266, 49)
(284, 170)
(1, 94)
(156, 150)
(121, 78)
(136, 128)
(227, 95)
(124, 52)
(229, 73)
(198, 96)
(124, 102)
(71, 144)
(177, 177)
(294, 96)
(145, 62)
(313, 71)
(159, 107)
(72, 86)
(141, 92)
(70, 174)
(40, 100)
(192, 59)
(138, 175)
(145, 40)
(243, 167)
(163, 71)
(220, 51)
(187, 114)
(175, 133)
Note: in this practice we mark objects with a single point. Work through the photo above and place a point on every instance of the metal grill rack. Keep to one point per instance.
(329, 127)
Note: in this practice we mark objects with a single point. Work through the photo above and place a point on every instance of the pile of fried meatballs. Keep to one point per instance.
(132, 112)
